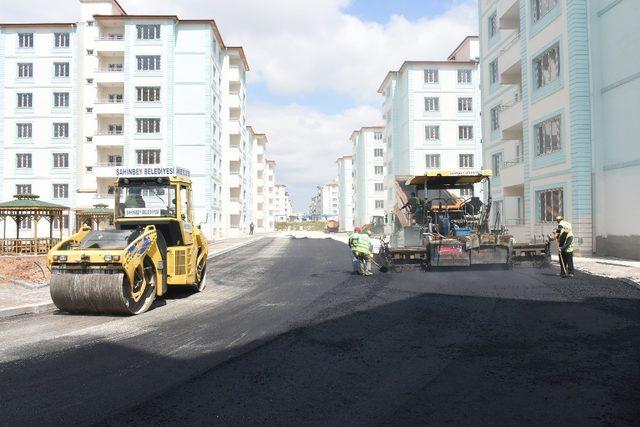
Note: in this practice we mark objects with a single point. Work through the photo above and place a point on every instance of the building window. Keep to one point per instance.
(148, 31)
(541, 8)
(550, 202)
(431, 76)
(431, 104)
(61, 39)
(148, 62)
(61, 130)
(496, 163)
(115, 68)
(114, 98)
(25, 130)
(25, 40)
(465, 132)
(378, 186)
(23, 161)
(378, 152)
(466, 160)
(23, 188)
(61, 69)
(379, 204)
(377, 136)
(466, 192)
(115, 160)
(546, 67)
(60, 160)
(432, 133)
(148, 94)
(548, 136)
(493, 25)
(433, 160)
(464, 76)
(114, 129)
(60, 191)
(148, 157)
(60, 99)
(25, 100)
(465, 104)
(378, 170)
(65, 222)
(148, 125)
(25, 70)
(26, 223)
(493, 72)
(495, 118)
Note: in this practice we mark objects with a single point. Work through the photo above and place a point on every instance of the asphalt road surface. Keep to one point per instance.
(284, 334)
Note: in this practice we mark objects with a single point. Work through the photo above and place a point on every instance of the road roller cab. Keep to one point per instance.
(154, 244)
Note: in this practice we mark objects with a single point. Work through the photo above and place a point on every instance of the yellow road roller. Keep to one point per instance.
(154, 245)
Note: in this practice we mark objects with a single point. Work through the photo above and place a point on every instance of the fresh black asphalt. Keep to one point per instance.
(285, 335)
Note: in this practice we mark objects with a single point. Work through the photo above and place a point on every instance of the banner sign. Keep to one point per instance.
(152, 171)
(138, 212)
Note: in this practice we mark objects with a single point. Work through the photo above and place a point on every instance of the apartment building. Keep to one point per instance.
(113, 89)
(282, 203)
(261, 182)
(559, 91)
(345, 193)
(324, 205)
(270, 188)
(432, 117)
(368, 149)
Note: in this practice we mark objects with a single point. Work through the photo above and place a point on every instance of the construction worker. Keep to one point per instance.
(561, 224)
(363, 250)
(353, 238)
(565, 241)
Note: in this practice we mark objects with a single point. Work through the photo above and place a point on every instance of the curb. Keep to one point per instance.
(27, 309)
(233, 248)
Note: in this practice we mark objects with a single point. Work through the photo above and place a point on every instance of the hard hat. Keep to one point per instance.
(357, 229)
(559, 218)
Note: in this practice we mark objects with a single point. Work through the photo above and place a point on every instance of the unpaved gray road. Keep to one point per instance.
(284, 334)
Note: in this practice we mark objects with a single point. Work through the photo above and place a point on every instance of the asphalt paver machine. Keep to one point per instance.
(154, 245)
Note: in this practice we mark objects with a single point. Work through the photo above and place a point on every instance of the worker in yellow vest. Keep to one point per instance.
(363, 248)
(565, 241)
(353, 239)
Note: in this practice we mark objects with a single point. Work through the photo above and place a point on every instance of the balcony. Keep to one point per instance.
(235, 155)
(509, 14)
(512, 174)
(109, 75)
(235, 207)
(105, 170)
(511, 118)
(234, 180)
(107, 106)
(234, 100)
(113, 43)
(509, 65)
(235, 74)
(108, 139)
(234, 127)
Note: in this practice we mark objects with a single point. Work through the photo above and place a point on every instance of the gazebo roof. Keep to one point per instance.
(96, 210)
(30, 202)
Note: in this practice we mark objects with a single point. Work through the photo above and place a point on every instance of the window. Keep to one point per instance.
(23, 188)
(466, 192)
(546, 67)
(114, 129)
(23, 161)
(432, 132)
(377, 136)
(466, 160)
(432, 104)
(464, 76)
(431, 76)
(114, 68)
(379, 204)
(26, 224)
(541, 8)
(377, 152)
(60, 191)
(148, 94)
(114, 98)
(433, 160)
(25, 40)
(148, 31)
(25, 130)
(65, 222)
(548, 136)
(496, 163)
(378, 186)
(25, 100)
(25, 70)
(61, 130)
(61, 69)
(61, 39)
(60, 160)
(495, 118)
(115, 160)
(148, 125)
(378, 170)
(550, 202)
(465, 132)
(148, 157)
(465, 104)
(148, 62)
(60, 99)
(493, 72)
(493, 25)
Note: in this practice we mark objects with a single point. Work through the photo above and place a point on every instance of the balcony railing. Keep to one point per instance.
(516, 98)
(108, 101)
(119, 69)
(107, 164)
(111, 37)
(108, 133)
(514, 40)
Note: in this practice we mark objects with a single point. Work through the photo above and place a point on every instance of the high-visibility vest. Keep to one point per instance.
(570, 239)
(363, 245)
(353, 239)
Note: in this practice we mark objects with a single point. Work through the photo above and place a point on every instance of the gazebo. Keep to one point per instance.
(93, 216)
(27, 207)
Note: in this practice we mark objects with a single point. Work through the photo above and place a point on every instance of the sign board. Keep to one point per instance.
(141, 212)
(458, 172)
(151, 171)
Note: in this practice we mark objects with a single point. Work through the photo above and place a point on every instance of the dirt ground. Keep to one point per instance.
(26, 268)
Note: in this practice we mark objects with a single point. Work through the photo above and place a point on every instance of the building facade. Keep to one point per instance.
(345, 193)
(556, 75)
(261, 199)
(368, 149)
(282, 203)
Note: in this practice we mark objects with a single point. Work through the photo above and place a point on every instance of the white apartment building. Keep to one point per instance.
(560, 96)
(261, 182)
(112, 90)
(282, 203)
(324, 205)
(432, 116)
(368, 150)
(270, 189)
(345, 193)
